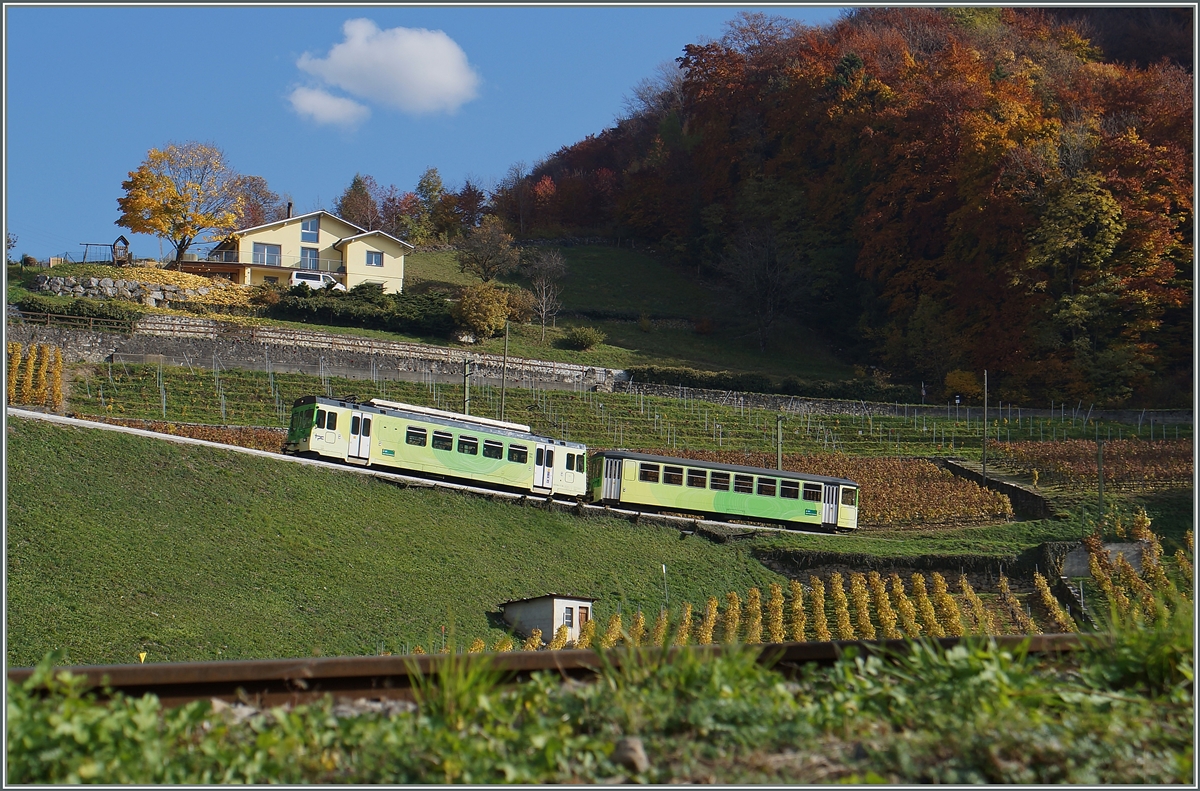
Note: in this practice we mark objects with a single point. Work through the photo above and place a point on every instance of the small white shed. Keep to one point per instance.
(547, 613)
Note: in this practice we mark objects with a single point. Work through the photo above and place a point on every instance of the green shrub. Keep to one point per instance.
(419, 314)
(109, 310)
(583, 338)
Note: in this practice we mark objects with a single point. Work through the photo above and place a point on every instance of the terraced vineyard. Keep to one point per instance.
(599, 419)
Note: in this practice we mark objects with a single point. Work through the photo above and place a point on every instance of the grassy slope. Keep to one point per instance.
(190, 553)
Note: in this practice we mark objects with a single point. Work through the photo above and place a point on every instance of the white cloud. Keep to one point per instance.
(414, 70)
(324, 108)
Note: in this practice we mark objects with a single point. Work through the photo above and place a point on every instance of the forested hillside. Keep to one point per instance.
(939, 190)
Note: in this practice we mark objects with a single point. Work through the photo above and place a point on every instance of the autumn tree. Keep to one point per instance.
(762, 275)
(487, 251)
(259, 205)
(545, 272)
(358, 204)
(181, 192)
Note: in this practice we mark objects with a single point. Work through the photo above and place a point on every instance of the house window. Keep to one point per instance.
(374, 258)
(266, 254)
(309, 229)
(270, 280)
(568, 616)
(308, 258)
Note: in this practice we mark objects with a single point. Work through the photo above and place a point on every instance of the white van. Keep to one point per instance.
(315, 280)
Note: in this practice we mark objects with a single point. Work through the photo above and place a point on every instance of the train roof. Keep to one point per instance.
(454, 419)
(716, 465)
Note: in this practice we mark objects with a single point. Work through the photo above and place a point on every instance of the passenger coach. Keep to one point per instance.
(437, 443)
(727, 491)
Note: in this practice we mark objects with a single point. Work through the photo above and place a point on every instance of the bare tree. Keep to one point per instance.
(487, 251)
(763, 275)
(545, 274)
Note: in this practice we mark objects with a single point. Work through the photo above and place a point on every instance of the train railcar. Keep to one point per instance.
(724, 491)
(433, 442)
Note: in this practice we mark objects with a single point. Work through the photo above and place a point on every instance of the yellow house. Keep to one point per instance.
(317, 241)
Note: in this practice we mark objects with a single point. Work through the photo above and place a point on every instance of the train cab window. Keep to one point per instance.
(366, 427)
(697, 478)
(789, 490)
(812, 492)
(468, 445)
(415, 436)
(321, 419)
(570, 462)
(766, 487)
(331, 421)
(518, 453)
(442, 441)
(743, 484)
(849, 496)
(673, 475)
(648, 473)
(354, 424)
(719, 481)
(581, 463)
(493, 449)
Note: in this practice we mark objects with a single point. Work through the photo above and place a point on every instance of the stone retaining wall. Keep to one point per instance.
(1027, 504)
(149, 294)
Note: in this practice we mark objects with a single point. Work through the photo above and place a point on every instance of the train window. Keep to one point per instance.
(549, 458)
(468, 445)
(366, 427)
(812, 492)
(518, 453)
(581, 463)
(789, 489)
(648, 473)
(766, 487)
(540, 458)
(331, 421)
(493, 449)
(442, 441)
(673, 475)
(321, 419)
(415, 436)
(697, 478)
(354, 424)
(743, 484)
(719, 481)
(570, 461)
(849, 496)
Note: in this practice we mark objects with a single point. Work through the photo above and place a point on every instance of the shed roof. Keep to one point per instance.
(549, 596)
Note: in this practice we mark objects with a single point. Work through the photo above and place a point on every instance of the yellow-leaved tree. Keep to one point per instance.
(181, 192)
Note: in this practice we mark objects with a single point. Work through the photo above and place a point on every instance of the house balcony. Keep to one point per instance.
(289, 262)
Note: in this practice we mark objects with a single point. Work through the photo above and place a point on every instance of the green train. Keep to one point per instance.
(730, 491)
(498, 454)
(437, 443)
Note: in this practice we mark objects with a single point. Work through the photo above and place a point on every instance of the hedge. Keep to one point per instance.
(851, 390)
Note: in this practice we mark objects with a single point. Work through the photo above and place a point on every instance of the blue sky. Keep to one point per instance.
(301, 98)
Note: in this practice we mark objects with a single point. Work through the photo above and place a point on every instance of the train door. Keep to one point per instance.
(829, 515)
(612, 480)
(543, 467)
(360, 437)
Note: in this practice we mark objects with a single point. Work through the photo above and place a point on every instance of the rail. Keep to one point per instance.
(271, 682)
(78, 322)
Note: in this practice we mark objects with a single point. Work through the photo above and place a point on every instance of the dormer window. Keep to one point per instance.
(310, 229)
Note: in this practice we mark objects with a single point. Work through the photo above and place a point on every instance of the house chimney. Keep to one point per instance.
(289, 214)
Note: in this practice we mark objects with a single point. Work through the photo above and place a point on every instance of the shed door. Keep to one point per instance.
(829, 515)
(612, 480)
(360, 435)
(543, 467)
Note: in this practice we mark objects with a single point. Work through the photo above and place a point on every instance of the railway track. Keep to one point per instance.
(683, 523)
(272, 682)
